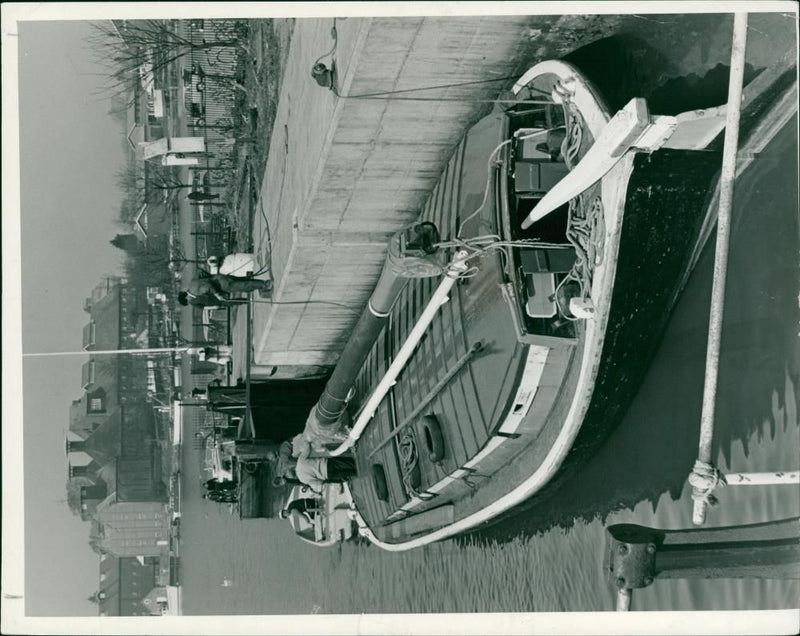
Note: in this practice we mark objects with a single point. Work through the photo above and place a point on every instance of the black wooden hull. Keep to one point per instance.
(664, 214)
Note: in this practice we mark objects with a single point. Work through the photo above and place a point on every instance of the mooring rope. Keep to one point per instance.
(704, 479)
(319, 70)
(430, 88)
(335, 36)
(407, 451)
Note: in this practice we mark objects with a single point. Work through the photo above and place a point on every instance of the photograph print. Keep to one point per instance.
(361, 316)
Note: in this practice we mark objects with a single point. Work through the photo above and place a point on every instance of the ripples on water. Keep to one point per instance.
(447, 577)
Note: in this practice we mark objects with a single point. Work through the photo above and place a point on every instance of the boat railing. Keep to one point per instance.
(442, 294)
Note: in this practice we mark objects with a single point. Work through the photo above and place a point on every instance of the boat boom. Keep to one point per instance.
(413, 253)
(439, 298)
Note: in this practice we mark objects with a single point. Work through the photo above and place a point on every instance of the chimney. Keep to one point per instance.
(95, 492)
(75, 446)
(78, 471)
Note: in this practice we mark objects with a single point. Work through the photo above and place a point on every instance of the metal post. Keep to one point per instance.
(105, 352)
(248, 413)
(721, 256)
(637, 555)
(624, 600)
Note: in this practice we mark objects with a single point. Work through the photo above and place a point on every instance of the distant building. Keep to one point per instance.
(118, 314)
(156, 601)
(113, 424)
(153, 222)
(106, 285)
(132, 529)
(84, 499)
(125, 584)
(114, 387)
(127, 438)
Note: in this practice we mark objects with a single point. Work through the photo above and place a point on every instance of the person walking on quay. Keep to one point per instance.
(196, 195)
(216, 289)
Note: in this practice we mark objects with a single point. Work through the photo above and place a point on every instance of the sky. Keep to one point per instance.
(70, 150)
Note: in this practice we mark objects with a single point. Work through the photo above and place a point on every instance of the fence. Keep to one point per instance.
(214, 105)
(212, 237)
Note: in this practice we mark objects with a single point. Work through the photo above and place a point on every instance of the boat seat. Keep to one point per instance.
(541, 289)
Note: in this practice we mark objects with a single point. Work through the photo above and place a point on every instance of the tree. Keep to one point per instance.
(74, 497)
(130, 179)
(126, 242)
(149, 265)
(131, 49)
(142, 182)
(158, 177)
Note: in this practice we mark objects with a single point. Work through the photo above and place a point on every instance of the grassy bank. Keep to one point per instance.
(264, 61)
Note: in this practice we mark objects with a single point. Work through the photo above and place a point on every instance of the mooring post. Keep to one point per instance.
(701, 478)
(637, 555)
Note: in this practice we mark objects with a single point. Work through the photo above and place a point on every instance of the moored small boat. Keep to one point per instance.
(322, 520)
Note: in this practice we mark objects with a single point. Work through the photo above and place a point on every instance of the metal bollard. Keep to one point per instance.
(637, 555)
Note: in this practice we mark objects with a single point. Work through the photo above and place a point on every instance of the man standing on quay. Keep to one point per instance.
(216, 289)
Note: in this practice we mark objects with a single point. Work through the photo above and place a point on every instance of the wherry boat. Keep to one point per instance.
(567, 232)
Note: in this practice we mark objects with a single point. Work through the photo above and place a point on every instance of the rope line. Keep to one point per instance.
(335, 36)
(305, 302)
(430, 88)
(704, 479)
(463, 100)
(407, 452)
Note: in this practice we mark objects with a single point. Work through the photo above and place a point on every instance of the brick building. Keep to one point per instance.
(132, 529)
(125, 585)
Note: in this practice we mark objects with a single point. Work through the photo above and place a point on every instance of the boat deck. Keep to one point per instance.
(470, 395)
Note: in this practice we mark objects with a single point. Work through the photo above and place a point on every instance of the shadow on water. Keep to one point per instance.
(625, 66)
(652, 450)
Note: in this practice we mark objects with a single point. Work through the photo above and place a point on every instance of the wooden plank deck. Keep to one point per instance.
(475, 312)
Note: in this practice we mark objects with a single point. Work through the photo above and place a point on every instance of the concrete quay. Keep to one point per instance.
(343, 173)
